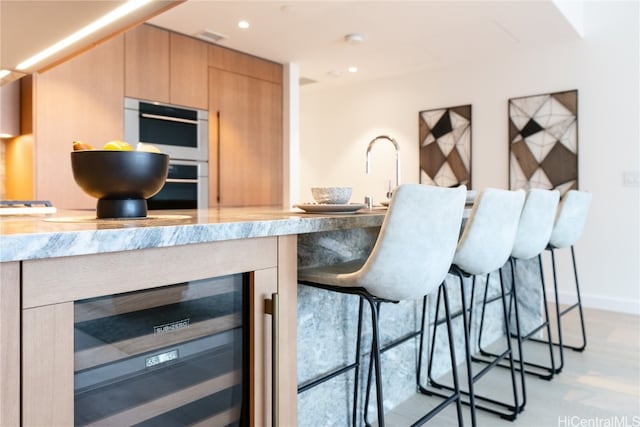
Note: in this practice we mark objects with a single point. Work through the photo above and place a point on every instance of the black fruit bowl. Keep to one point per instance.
(120, 180)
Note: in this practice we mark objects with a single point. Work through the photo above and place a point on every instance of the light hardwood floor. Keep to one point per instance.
(598, 387)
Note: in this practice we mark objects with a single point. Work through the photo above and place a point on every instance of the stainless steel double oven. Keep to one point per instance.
(183, 134)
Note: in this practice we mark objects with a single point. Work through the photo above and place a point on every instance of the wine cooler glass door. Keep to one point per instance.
(170, 356)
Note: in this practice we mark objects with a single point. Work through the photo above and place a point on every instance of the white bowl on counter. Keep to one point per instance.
(331, 195)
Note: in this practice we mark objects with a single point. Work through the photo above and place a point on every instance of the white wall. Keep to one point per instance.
(336, 125)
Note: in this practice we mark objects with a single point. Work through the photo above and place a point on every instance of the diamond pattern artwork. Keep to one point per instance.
(445, 146)
(543, 141)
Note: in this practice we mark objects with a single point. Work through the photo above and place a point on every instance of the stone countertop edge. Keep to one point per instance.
(73, 233)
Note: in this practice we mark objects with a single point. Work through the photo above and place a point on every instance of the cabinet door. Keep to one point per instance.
(245, 165)
(49, 316)
(188, 72)
(10, 348)
(80, 99)
(147, 63)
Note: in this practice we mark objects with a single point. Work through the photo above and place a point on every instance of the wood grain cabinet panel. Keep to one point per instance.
(51, 286)
(147, 63)
(81, 99)
(242, 63)
(10, 347)
(188, 72)
(246, 139)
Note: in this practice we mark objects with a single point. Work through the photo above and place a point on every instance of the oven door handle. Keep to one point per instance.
(168, 118)
(182, 181)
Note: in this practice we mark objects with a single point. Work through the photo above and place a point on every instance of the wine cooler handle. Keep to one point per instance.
(272, 307)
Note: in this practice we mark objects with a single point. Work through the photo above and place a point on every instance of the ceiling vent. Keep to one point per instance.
(211, 36)
(306, 81)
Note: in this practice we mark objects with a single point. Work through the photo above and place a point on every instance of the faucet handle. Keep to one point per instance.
(368, 200)
(389, 191)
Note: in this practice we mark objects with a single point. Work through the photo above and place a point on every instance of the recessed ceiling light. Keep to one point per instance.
(243, 24)
(352, 69)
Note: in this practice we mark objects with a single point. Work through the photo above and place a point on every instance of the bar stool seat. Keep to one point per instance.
(410, 260)
(484, 247)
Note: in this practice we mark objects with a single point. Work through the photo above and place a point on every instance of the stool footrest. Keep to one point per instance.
(506, 415)
(540, 375)
(325, 378)
(435, 411)
(399, 341)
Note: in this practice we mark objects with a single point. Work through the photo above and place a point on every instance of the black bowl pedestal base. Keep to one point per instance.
(123, 208)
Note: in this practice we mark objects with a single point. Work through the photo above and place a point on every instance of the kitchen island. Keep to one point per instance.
(48, 262)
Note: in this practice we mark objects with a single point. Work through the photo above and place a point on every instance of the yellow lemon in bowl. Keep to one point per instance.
(118, 146)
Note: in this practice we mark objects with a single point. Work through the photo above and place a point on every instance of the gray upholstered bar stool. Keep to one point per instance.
(410, 260)
(568, 227)
(484, 247)
(534, 230)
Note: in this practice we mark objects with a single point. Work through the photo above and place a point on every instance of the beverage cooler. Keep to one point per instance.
(169, 356)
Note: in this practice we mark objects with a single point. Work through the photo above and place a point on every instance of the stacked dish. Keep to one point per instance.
(334, 200)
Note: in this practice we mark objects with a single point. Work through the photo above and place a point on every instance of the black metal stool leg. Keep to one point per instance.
(575, 275)
(356, 377)
(452, 355)
(481, 328)
(509, 348)
(513, 303)
(520, 359)
(433, 340)
(558, 314)
(375, 361)
(466, 326)
(547, 320)
(456, 396)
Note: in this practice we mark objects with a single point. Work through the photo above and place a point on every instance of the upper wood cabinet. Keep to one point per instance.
(165, 67)
(188, 72)
(241, 63)
(81, 99)
(147, 63)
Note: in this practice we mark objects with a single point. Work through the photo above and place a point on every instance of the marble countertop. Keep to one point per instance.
(70, 233)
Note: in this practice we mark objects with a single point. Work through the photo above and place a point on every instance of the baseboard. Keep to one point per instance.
(598, 302)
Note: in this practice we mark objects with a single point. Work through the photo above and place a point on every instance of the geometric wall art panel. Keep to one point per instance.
(543, 141)
(445, 146)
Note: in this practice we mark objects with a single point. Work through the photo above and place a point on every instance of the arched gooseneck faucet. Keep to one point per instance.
(397, 149)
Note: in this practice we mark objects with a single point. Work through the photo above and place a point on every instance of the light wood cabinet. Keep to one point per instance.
(81, 99)
(50, 287)
(166, 67)
(242, 63)
(10, 344)
(188, 72)
(245, 134)
(147, 63)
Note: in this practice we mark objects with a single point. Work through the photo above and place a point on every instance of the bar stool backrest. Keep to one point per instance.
(416, 243)
(536, 223)
(487, 240)
(571, 218)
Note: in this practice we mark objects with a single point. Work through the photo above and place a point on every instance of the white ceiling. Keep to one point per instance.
(399, 36)
(29, 26)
